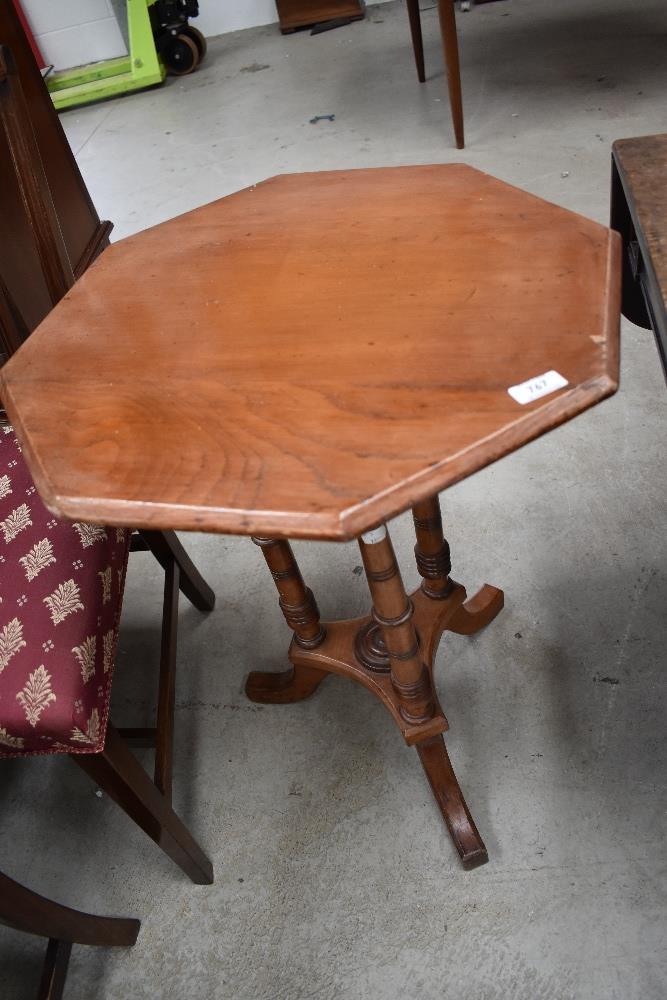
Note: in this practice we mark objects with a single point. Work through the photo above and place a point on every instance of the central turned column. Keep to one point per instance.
(391, 652)
(392, 614)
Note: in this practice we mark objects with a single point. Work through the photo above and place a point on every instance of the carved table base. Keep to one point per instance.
(391, 651)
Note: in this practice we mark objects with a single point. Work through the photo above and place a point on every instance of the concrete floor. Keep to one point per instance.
(335, 877)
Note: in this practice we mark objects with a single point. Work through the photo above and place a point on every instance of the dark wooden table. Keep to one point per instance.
(639, 213)
(339, 349)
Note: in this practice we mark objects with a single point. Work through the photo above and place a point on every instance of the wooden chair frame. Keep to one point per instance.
(117, 772)
(24, 910)
(115, 769)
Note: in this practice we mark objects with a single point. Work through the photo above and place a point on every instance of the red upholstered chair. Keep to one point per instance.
(44, 636)
(61, 592)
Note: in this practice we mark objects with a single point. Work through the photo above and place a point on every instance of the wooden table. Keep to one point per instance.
(339, 349)
(639, 213)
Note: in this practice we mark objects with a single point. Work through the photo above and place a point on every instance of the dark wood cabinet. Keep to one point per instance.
(295, 14)
(83, 233)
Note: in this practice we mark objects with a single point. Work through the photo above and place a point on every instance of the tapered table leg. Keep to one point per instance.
(417, 41)
(450, 44)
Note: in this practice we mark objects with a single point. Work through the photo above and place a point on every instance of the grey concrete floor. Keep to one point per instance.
(335, 877)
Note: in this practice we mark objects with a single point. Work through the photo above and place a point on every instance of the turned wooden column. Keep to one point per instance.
(432, 549)
(392, 612)
(297, 601)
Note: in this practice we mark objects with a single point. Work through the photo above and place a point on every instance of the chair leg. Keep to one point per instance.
(117, 772)
(167, 684)
(160, 737)
(116, 769)
(166, 548)
(417, 41)
(451, 50)
(27, 911)
(54, 970)
(31, 913)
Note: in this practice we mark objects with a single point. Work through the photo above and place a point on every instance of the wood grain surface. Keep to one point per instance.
(338, 348)
(641, 164)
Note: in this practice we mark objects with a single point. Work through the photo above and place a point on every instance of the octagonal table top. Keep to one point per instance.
(314, 354)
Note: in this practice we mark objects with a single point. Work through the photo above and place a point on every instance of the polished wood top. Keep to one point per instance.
(314, 354)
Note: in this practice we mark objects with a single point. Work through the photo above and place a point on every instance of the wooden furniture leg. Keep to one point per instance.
(180, 574)
(390, 652)
(434, 564)
(299, 607)
(27, 911)
(392, 629)
(417, 40)
(451, 51)
(447, 791)
(54, 970)
(160, 737)
(164, 748)
(411, 677)
(118, 773)
(167, 548)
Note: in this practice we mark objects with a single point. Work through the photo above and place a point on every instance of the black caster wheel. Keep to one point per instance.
(180, 55)
(197, 37)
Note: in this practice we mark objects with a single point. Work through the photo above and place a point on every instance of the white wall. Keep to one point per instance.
(218, 16)
(72, 32)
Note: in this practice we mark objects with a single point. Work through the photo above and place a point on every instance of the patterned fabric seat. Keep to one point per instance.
(61, 590)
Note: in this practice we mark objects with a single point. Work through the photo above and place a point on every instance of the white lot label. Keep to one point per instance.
(536, 387)
(375, 535)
